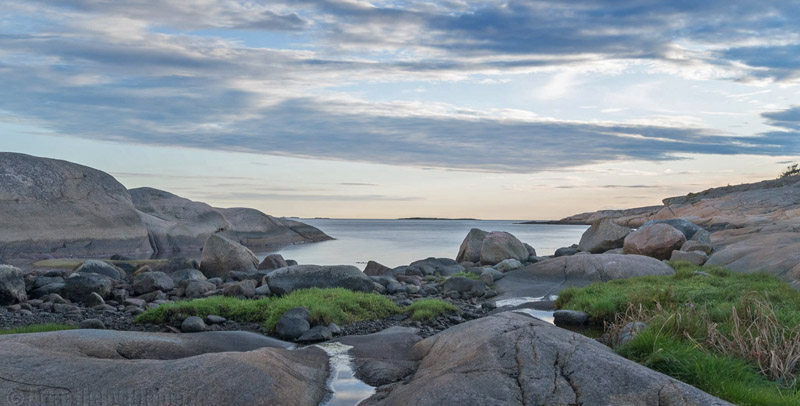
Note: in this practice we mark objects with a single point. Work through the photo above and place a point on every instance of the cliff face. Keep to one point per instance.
(60, 209)
(754, 227)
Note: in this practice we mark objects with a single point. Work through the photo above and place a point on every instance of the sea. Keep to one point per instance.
(400, 242)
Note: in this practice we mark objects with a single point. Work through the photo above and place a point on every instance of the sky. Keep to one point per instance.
(385, 109)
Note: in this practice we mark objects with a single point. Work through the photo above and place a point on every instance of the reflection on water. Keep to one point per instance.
(517, 301)
(543, 315)
(400, 242)
(347, 389)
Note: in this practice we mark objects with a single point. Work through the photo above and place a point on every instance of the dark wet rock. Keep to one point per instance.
(571, 317)
(12, 285)
(210, 368)
(565, 251)
(286, 280)
(514, 359)
(293, 323)
(177, 264)
(222, 255)
(272, 261)
(94, 299)
(602, 236)
(79, 286)
(40, 281)
(152, 281)
(212, 319)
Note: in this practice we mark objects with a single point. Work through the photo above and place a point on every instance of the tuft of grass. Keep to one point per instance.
(429, 309)
(466, 274)
(733, 335)
(336, 305)
(37, 328)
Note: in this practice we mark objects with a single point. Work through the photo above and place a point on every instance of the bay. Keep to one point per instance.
(400, 242)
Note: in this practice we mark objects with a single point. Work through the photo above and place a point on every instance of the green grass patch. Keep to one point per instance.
(37, 328)
(469, 275)
(429, 309)
(716, 331)
(336, 305)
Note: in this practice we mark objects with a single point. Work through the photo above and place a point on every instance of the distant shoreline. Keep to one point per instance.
(438, 218)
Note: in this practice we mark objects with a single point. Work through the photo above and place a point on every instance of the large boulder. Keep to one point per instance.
(80, 286)
(500, 245)
(470, 249)
(286, 280)
(116, 367)
(58, 208)
(686, 227)
(514, 359)
(101, 268)
(222, 255)
(376, 269)
(656, 240)
(12, 285)
(187, 275)
(602, 236)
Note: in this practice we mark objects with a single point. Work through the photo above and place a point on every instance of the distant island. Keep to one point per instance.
(436, 218)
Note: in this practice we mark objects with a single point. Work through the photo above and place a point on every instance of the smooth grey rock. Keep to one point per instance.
(186, 275)
(222, 255)
(272, 261)
(458, 284)
(595, 268)
(508, 265)
(245, 289)
(531, 250)
(692, 245)
(94, 299)
(470, 249)
(286, 280)
(210, 368)
(513, 359)
(212, 319)
(79, 286)
(657, 240)
(253, 228)
(494, 273)
(571, 317)
(12, 285)
(375, 269)
(194, 289)
(565, 252)
(101, 268)
(500, 245)
(263, 290)
(92, 324)
(152, 281)
(293, 323)
(602, 236)
(40, 281)
(687, 228)
(193, 324)
(693, 257)
(385, 357)
(135, 302)
(629, 332)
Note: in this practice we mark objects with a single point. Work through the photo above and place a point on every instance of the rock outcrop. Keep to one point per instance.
(513, 359)
(597, 268)
(61, 209)
(12, 286)
(114, 367)
(492, 248)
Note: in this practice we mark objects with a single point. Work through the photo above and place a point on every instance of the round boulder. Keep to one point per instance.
(100, 268)
(152, 281)
(293, 323)
(187, 275)
(222, 255)
(602, 236)
(657, 241)
(499, 246)
(80, 286)
(286, 280)
(12, 285)
(272, 261)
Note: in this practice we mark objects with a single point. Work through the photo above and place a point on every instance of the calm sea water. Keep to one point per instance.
(400, 242)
